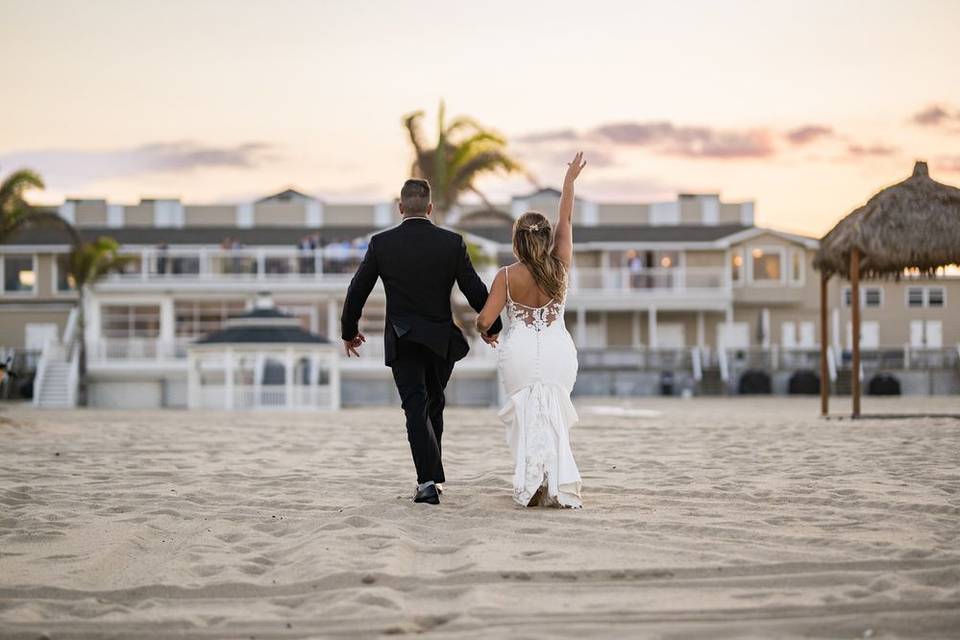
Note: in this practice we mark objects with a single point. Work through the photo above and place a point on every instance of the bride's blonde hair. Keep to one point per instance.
(532, 244)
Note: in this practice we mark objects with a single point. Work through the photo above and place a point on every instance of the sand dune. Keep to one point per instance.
(705, 518)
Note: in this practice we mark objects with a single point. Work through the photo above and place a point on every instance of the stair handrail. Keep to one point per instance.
(724, 366)
(73, 376)
(70, 329)
(38, 377)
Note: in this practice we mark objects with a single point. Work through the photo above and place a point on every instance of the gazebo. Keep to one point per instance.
(912, 226)
(263, 359)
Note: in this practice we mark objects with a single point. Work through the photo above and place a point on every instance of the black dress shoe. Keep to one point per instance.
(427, 494)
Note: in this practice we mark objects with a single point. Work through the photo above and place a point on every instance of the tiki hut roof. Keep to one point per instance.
(914, 224)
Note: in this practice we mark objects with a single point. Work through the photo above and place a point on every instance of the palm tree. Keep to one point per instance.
(87, 263)
(464, 151)
(16, 213)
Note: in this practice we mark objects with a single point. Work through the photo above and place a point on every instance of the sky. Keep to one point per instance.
(806, 108)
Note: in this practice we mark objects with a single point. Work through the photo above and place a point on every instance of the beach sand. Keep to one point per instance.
(708, 518)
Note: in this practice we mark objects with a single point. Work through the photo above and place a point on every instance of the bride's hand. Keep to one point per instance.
(574, 167)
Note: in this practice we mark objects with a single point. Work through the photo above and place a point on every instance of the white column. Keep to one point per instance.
(334, 363)
(114, 215)
(653, 328)
(313, 213)
(228, 371)
(729, 315)
(193, 382)
(765, 327)
(333, 325)
(288, 377)
(636, 339)
(383, 214)
(257, 378)
(701, 330)
(835, 331)
(168, 324)
(245, 215)
(581, 327)
(68, 211)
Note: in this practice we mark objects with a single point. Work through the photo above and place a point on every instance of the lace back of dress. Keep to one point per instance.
(537, 318)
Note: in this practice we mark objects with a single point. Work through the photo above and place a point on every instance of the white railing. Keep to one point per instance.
(262, 263)
(138, 349)
(214, 396)
(70, 329)
(659, 280)
(73, 375)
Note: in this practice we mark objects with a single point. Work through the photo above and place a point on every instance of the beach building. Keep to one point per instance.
(685, 296)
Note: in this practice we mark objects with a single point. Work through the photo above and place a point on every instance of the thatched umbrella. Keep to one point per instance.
(914, 224)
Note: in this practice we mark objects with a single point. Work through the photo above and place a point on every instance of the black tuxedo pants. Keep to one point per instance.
(421, 377)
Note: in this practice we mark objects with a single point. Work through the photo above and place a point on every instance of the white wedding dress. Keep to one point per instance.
(538, 366)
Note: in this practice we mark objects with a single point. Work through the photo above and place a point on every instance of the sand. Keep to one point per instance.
(703, 518)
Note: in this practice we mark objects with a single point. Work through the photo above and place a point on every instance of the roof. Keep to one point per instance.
(285, 196)
(255, 236)
(262, 326)
(914, 224)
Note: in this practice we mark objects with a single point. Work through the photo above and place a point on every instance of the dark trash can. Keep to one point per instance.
(666, 383)
(804, 382)
(883, 384)
(755, 381)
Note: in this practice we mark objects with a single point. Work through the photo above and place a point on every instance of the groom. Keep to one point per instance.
(418, 263)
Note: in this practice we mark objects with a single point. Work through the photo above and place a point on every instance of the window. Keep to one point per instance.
(766, 265)
(872, 297)
(847, 296)
(65, 280)
(130, 321)
(935, 296)
(796, 266)
(19, 275)
(915, 297)
(736, 265)
(198, 318)
(926, 297)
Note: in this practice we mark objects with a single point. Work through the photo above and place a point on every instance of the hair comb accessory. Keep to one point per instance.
(533, 227)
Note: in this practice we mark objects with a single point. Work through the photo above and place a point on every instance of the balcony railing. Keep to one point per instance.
(659, 280)
(242, 264)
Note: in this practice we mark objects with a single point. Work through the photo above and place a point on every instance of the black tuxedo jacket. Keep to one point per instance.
(419, 263)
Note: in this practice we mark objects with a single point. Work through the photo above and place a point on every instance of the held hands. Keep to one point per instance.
(574, 167)
(490, 340)
(351, 346)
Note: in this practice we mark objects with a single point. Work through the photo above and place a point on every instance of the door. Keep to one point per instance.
(934, 334)
(916, 334)
(869, 334)
(808, 335)
(735, 335)
(36, 334)
(670, 335)
(788, 335)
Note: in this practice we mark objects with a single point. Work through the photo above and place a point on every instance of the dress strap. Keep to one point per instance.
(506, 275)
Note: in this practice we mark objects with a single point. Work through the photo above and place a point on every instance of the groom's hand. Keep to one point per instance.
(351, 346)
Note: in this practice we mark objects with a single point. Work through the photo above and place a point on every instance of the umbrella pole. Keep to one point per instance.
(824, 340)
(855, 321)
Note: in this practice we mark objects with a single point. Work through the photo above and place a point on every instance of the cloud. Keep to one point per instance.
(936, 116)
(857, 150)
(807, 134)
(73, 168)
(689, 141)
(950, 164)
(559, 135)
(665, 138)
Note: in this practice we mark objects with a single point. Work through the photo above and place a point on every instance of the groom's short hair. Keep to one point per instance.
(415, 196)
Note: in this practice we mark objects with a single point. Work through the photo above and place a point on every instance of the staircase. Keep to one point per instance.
(55, 384)
(54, 392)
(712, 383)
(843, 386)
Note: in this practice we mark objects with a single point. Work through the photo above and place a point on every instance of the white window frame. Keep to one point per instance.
(924, 296)
(863, 297)
(55, 276)
(782, 251)
(737, 282)
(802, 280)
(3, 275)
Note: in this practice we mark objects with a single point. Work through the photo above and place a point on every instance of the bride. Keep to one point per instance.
(537, 357)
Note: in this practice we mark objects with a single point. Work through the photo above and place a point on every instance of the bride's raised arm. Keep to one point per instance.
(563, 235)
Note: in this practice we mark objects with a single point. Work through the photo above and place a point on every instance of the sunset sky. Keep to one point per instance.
(805, 107)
